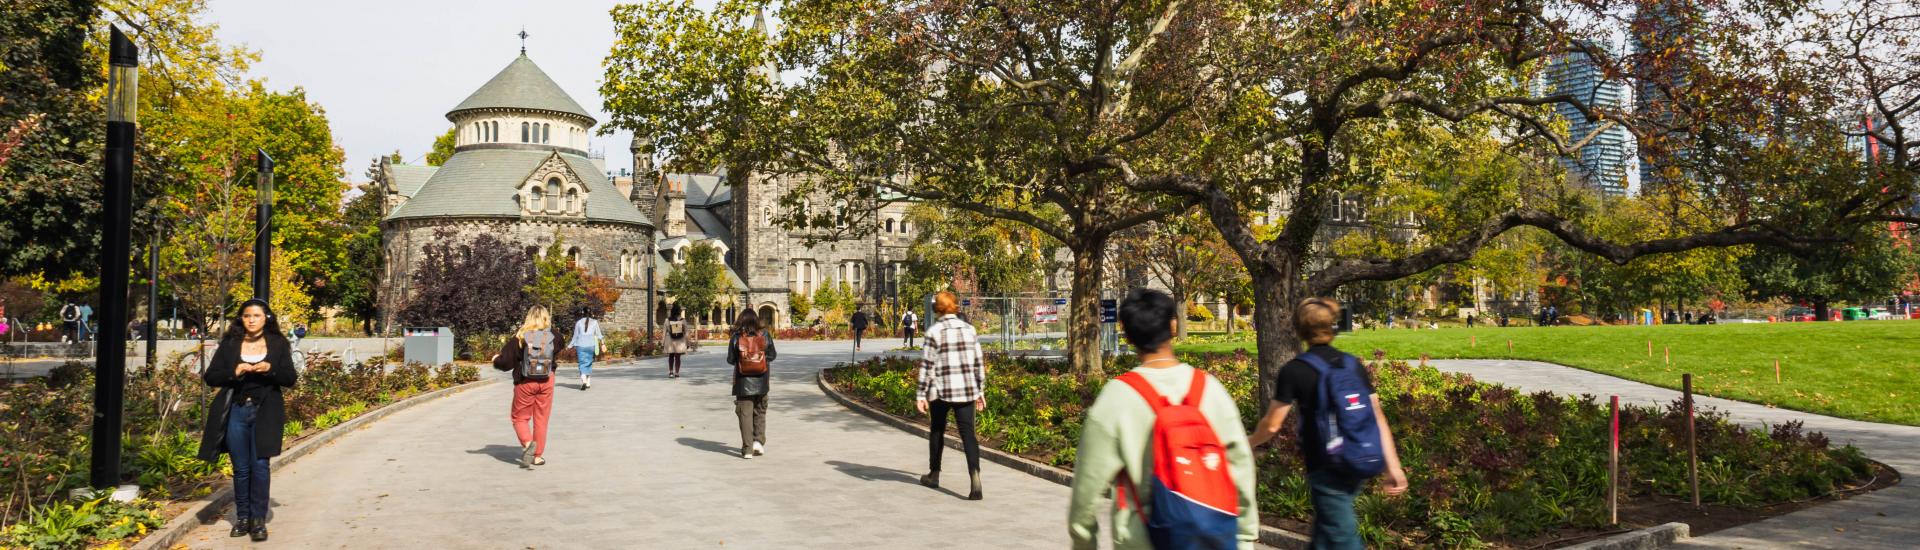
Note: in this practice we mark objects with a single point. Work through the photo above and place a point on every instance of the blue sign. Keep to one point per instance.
(1059, 301)
(1109, 311)
(966, 301)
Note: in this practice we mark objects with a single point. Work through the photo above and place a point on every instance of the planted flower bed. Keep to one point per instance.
(44, 441)
(1488, 464)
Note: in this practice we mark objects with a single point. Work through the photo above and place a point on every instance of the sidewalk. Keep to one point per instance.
(1888, 518)
(643, 461)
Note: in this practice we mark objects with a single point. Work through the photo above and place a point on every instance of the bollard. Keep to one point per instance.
(1613, 464)
(1693, 451)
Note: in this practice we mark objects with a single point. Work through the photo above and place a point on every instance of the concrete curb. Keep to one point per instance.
(214, 505)
(1658, 536)
(1277, 538)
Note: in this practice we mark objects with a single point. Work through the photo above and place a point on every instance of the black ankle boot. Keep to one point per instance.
(975, 495)
(931, 480)
(259, 531)
(240, 528)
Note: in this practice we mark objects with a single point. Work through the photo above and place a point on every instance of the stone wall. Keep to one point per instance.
(600, 247)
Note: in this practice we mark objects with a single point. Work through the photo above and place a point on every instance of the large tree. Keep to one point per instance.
(357, 284)
(477, 285)
(699, 283)
(1869, 270)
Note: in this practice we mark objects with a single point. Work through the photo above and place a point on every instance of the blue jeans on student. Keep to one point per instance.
(250, 480)
(1334, 525)
(586, 361)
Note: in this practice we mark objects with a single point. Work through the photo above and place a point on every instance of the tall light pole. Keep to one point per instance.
(263, 225)
(110, 365)
(153, 291)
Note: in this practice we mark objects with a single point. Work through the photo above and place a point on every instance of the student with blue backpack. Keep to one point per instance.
(1167, 438)
(1343, 434)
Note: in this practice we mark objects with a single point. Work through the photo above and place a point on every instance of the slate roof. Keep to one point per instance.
(703, 189)
(483, 182)
(408, 178)
(522, 85)
(710, 225)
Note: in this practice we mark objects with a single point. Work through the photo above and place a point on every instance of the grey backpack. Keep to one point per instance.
(538, 360)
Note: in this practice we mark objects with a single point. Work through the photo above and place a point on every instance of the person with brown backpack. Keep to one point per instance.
(677, 344)
(531, 354)
(750, 351)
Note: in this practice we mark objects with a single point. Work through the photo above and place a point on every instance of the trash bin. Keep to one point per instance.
(432, 346)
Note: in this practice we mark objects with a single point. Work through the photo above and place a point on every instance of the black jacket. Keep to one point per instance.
(270, 424)
(749, 386)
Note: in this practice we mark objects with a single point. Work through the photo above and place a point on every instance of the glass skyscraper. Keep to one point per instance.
(1601, 164)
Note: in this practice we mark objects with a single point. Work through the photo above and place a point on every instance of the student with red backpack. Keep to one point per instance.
(1167, 438)
(531, 354)
(750, 351)
(1343, 433)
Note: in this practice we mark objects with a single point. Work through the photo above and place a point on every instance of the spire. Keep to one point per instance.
(768, 70)
(523, 41)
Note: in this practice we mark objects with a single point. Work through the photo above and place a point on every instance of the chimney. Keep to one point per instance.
(646, 188)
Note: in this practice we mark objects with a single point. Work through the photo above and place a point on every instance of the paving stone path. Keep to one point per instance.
(643, 461)
(1888, 518)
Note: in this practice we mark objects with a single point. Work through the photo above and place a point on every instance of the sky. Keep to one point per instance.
(387, 72)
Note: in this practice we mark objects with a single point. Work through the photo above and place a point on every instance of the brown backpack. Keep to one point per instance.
(753, 355)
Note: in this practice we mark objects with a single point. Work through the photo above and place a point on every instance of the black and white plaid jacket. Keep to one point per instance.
(951, 367)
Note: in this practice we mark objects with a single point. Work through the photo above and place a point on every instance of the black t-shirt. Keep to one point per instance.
(1299, 385)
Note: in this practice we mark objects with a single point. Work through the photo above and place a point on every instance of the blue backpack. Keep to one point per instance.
(1349, 434)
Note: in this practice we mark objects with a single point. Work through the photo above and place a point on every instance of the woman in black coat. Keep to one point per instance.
(253, 364)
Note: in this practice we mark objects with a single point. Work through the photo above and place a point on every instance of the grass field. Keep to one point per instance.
(1865, 370)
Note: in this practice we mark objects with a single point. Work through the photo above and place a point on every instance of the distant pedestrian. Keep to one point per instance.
(953, 377)
(1364, 441)
(907, 323)
(859, 324)
(750, 351)
(1688, 317)
(300, 331)
(587, 343)
(531, 355)
(248, 415)
(1469, 320)
(1212, 508)
(676, 342)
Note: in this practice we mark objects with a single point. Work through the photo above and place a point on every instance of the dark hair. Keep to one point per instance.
(1147, 317)
(747, 323)
(237, 330)
(674, 314)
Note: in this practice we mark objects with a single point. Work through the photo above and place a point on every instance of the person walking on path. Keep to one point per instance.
(586, 345)
(531, 354)
(953, 377)
(1116, 442)
(907, 322)
(859, 324)
(253, 364)
(676, 342)
(1299, 386)
(750, 351)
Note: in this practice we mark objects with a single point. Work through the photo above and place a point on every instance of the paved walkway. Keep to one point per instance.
(1888, 518)
(643, 461)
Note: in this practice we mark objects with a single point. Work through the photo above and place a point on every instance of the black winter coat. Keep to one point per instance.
(270, 424)
(750, 386)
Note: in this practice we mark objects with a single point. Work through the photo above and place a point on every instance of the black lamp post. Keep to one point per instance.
(653, 255)
(110, 366)
(263, 239)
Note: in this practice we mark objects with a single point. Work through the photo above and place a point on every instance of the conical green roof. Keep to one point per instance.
(522, 85)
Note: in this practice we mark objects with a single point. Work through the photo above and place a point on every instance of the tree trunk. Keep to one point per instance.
(1181, 315)
(1820, 310)
(1274, 296)
(1230, 311)
(1083, 313)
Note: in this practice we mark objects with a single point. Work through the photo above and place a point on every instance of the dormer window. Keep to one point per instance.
(573, 198)
(553, 194)
(535, 201)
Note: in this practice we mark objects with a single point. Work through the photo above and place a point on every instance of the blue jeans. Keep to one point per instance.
(586, 360)
(1334, 525)
(250, 481)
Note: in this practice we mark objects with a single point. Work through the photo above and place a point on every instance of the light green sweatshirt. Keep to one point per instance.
(1115, 439)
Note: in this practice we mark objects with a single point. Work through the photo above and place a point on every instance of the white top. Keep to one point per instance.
(253, 358)
(586, 333)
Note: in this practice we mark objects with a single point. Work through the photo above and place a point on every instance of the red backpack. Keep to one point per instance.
(1195, 503)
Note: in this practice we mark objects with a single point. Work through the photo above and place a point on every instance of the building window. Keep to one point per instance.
(573, 198)
(889, 225)
(533, 203)
(553, 194)
(493, 131)
(573, 255)
(546, 133)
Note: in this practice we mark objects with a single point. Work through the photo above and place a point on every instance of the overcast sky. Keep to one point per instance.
(387, 72)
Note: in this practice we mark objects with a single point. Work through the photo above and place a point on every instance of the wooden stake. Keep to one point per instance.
(1669, 351)
(1649, 348)
(1693, 451)
(1776, 371)
(1613, 464)
(1509, 347)
(1473, 341)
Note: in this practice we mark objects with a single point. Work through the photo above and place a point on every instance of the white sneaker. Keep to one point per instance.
(746, 453)
(586, 381)
(759, 449)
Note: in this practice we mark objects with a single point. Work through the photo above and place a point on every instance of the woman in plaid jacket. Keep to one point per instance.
(953, 377)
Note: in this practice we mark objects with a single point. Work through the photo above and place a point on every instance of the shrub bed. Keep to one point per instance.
(45, 427)
(1488, 464)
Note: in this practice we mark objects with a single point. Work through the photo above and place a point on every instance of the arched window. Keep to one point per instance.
(889, 225)
(573, 198)
(573, 255)
(524, 138)
(546, 133)
(493, 131)
(533, 203)
(553, 194)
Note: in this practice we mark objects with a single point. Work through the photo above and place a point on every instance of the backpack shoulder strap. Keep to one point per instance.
(1314, 361)
(1197, 389)
(1140, 384)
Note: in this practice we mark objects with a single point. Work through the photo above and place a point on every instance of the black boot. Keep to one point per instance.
(259, 531)
(975, 495)
(931, 480)
(240, 528)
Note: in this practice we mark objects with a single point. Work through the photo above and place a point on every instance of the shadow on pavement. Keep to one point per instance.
(877, 473)
(505, 453)
(710, 446)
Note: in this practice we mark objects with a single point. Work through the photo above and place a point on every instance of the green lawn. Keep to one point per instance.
(1866, 370)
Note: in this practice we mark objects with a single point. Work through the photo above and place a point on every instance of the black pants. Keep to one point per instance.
(856, 335)
(937, 441)
(906, 338)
